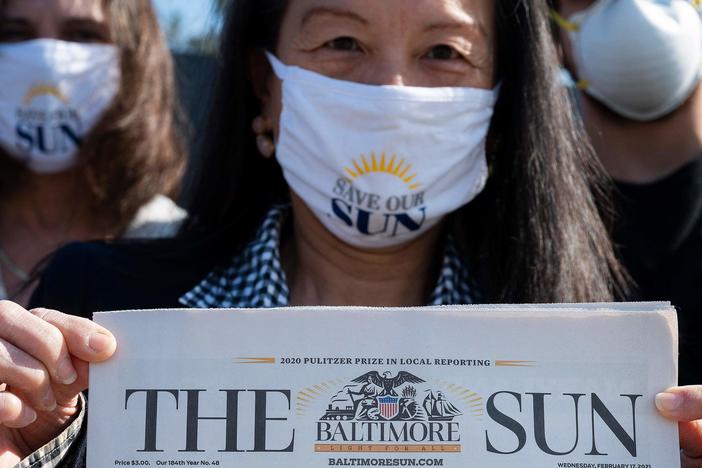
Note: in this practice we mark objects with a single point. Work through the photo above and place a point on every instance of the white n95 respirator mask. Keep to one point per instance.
(380, 165)
(640, 58)
(52, 94)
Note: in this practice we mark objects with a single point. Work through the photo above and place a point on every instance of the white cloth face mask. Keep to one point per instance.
(640, 58)
(52, 94)
(380, 165)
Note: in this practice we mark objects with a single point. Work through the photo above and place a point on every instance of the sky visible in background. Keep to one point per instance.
(196, 16)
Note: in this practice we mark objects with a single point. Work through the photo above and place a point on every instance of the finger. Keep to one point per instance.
(14, 412)
(681, 403)
(691, 439)
(20, 370)
(687, 462)
(66, 395)
(86, 339)
(37, 338)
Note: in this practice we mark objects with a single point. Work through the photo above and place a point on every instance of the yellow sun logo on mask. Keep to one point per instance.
(43, 89)
(400, 169)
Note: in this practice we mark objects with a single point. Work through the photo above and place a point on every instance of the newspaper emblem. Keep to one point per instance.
(376, 397)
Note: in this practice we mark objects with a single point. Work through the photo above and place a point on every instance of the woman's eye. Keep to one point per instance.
(84, 35)
(347, 44)
(443, 52)
(14, 35)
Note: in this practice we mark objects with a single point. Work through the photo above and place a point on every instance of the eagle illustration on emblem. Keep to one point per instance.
(385, 382)
(376, 397)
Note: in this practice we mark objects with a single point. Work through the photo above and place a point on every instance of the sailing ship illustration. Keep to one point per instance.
(438, 408)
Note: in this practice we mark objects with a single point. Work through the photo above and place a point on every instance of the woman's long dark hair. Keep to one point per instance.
(534, 235)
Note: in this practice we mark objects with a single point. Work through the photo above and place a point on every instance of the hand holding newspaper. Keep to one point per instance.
(481, 386)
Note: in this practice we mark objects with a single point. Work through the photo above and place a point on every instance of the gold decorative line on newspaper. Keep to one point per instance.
(307, 397)
(389, 448)
(468, 397)
(506, 363)
(254, 360)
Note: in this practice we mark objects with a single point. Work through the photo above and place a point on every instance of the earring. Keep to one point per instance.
(263, 140)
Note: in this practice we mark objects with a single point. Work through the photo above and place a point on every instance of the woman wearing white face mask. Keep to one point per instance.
(402, 153)
(639, 63)
(87, 133)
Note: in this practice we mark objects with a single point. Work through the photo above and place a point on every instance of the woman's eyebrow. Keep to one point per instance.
(83, 21)
(330, 11)
(457, 24)
(6, 20)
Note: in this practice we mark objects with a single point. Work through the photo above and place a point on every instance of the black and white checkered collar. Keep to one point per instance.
(255, 278)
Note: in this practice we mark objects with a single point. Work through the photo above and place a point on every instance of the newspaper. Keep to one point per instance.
(470, 386)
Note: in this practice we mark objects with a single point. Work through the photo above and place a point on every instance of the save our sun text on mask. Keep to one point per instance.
(373, 214)
(48, 132)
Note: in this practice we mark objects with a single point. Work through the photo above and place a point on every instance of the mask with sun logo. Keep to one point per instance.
(52, 93)
(380, 165)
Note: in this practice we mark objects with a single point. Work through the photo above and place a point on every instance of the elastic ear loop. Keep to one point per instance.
(575, 27)
(279, 68)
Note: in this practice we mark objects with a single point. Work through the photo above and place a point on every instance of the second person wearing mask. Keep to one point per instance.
(88, 136)
(638, 65)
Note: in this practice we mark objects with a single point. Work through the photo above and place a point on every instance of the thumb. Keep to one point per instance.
(85, 339)
(684, 404)
(681, 403)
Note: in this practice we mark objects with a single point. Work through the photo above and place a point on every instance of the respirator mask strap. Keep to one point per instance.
(572, 26)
